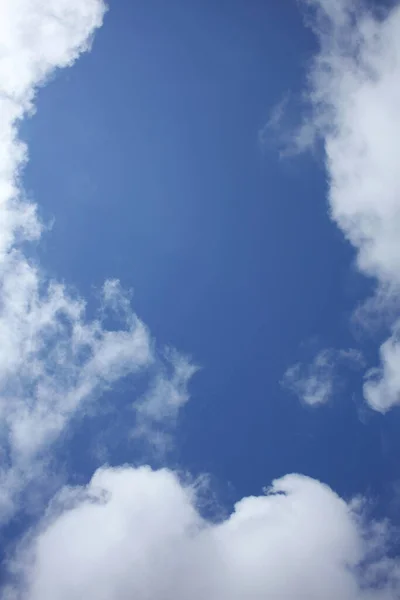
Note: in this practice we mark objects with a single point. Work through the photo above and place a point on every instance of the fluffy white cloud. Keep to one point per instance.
(354, 92)
(136, 533)
(37, 37)
(52, 358)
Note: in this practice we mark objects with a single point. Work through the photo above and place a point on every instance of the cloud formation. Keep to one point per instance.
(132, 533)
(315, 383)
(137, 533)
(42, 329)
(382, 385)
(354, 95)
(158, 409)
(355, 92)
(52, 358)
(312, 383)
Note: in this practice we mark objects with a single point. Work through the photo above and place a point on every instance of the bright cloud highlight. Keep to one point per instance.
(136, 533)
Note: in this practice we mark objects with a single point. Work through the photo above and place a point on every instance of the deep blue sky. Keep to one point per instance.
(147, 153)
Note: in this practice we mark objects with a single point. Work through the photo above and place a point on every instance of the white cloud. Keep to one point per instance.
(41, 326)
(130, 532)
(382, 385)
(314, 383)
(169, 392)
(37, 36)
(158, 409)
(136, 533)
(354, 91)
(52, 358)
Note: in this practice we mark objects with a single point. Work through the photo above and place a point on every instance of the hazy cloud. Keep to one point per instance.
(315, 383)
(157, 410)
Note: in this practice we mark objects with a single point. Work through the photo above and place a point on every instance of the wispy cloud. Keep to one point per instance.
(157, 410)
(52, 358)
(382, 385)
(354, 94)
(312, 383)
(43, 334)
(315, 383)
(274, 126)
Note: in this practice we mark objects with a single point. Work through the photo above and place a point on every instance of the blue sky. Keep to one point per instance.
(249, 205)
(229, 251)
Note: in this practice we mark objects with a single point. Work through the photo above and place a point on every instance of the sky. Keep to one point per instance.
(199, 315)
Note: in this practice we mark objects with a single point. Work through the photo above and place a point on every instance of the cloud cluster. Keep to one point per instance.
(354, 94)
(136, 533)
(132, 533)
(41, 325)
(52, 358)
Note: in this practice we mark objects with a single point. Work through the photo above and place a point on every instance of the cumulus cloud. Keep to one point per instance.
(354, 94)
(315, 383)
(52, 358)
(137, 533)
